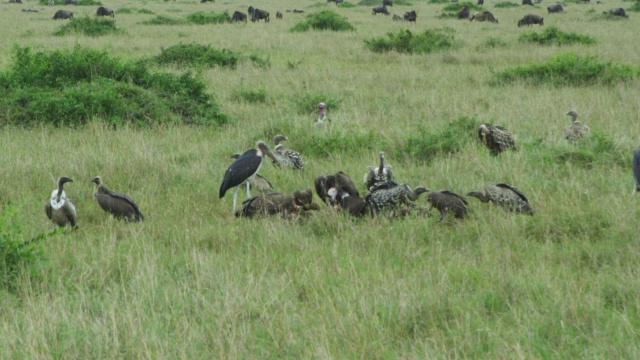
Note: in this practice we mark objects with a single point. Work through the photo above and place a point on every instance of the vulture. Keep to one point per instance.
(446, 201)
(59, 209)
(340, 181)
(636, 170)
(354, 204)
(496, 138)
(278, 203)
(576, 130)
(118, 205)
(322, 112)
(256, 181)
(286, 157)
(390, 196)
(504, 195)
(378, 174)
(243, 168)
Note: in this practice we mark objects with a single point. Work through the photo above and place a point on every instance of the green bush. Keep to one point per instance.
(250, 96)
(635, 7)
(553, 36)
(196, 55)
(324, 20)
(567, 69)
(132, 10)
(348, 142)
(203, 18)
(88, 26)
(164, 20)
(428, 145)
(65, 87)
(406, 42)
(506, 4)
(145, 11)
(345, 4)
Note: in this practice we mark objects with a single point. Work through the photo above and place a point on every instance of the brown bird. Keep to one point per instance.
(341, 181)
(447, 201)
(59, 209)
(576, 130)
(496, 138)
(118, 205)
(504, 195)
(378, 174)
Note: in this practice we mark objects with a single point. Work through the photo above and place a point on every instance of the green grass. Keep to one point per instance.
(193, 282)
(196, 55)
(203, 18)
(406, 42)
(324, 20)
(164, 20)
(554, 36)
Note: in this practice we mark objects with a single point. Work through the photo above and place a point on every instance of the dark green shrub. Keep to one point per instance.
(635, 7)
(553, 36)
(88, 26)
(348, 142)
(451, 10)
(65, 87)
(164, 20)
(406, 42)
(345, 4)
(203, 18)
(567, 69)
(145, 11)
(324, 20)
(506, 4)
(196, 55)
(428, 145)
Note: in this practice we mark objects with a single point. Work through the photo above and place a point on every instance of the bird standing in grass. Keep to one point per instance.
(496, 138)
(322, 113)
(59, 209)
(378, 174)
(286, 157)
(447, 201)
(256, 181)
(504, 195)
(576, 130)
(118, 205)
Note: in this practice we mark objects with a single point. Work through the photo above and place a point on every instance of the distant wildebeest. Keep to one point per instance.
(239, 16)
(29, 10)
(484, 16)
(15, 1)
(480, 2)
(71, 2)
(296, 11)
(387, 3)
(103, 11)
(260, 15)
(250, 10)
(531, 19)
(410, 16)
(527, 2)
(463, 13)
(555, 9)
(278, 15)
(397, 17)
(617, 12)
(62, 14)
(380, 10)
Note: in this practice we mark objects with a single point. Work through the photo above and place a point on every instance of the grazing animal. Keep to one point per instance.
(279, 15)
(103, 11)
(62, 14)
(527, 2)
(256, 181)
(277, 203)
(250, 10)
(296, 11)
(59, 209)
(380, 10)
(397, 18)
(504, 195)
(576, 130)
(29, 10)
(531, 19)
(260, 15)
(484, 16)
(387, 2)
(71, 2)
(463, 13)
(339, 181)
(243, 168)
(287, 157)
(636, 170)
(617, 12)
(496, 138)
(378, 174)
(447, 201)
(557, 8)
(410, 16)
(390, 196)
(239, 16)
(118, 205)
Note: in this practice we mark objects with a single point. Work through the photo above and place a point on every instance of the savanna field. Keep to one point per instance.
(139, 107)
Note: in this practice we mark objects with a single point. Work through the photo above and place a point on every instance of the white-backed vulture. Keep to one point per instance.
(59, 209)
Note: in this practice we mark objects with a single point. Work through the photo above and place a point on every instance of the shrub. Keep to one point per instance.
(89, 27)
(406, 42)
(250, 96)
(345, 4)
(65, 87)
(349, 142)
(132, 10)
(324, 20)
(506, 4)
(553, 36)
(567, 69)
(196, 55)
(145, 11)
(203, 18)
(635, 7)
(451, 10)
(427, 145)
(164, 20)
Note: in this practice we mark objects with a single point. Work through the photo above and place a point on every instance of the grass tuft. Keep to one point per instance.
(203, 18)
(428, 146)
(196, 55)
(89, 26)
(164, 20)
(406, 42)
(554, 36)
(324, 20)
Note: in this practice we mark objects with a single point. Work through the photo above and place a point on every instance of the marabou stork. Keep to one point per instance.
(243, 168)
(286, 157)
(504, 195)
(378, 174)
(256, 181)
(59, 209)
(496, 138)
(118, 205)
(576, 130)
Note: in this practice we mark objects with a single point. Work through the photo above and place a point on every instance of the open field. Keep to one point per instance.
(194, 282)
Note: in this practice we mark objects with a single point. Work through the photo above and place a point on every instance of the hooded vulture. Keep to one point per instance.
(59, 209)
(504, 195)
(118, 205)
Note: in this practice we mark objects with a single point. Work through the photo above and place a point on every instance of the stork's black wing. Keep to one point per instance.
(241, 169)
